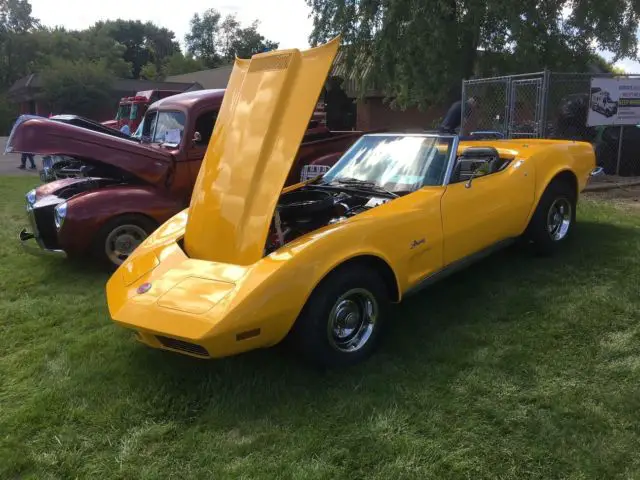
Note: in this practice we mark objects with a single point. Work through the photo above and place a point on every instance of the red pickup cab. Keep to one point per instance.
(118, 190)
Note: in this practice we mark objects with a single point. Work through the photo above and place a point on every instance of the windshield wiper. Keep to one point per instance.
(365, 184)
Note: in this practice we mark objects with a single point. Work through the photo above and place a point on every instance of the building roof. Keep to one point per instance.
(219, 77)
(213, 78)
(28, 87)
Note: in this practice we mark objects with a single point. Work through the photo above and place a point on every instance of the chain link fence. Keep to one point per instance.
(549, 105)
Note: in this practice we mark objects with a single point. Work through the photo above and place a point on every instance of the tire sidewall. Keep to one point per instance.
(310, 332)
(538, 229)
(99, 243)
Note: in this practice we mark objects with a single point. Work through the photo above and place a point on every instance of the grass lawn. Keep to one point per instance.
(519, 367)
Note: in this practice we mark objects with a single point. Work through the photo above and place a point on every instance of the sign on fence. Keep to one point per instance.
(614, 101)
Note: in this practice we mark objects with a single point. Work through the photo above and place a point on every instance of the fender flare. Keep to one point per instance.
(89, 211)
(543, 185)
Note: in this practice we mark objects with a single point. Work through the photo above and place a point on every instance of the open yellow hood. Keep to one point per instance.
(266, 108)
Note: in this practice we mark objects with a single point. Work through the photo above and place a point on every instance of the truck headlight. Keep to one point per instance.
(31, 198)
(60, 213)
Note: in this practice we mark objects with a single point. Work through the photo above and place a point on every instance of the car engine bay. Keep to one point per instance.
(299, 212)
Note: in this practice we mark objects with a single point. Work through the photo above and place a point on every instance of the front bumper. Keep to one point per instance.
(31, 245)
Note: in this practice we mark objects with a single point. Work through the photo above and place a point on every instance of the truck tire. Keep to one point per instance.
(341, 322)
(119, 236)
(553, 220)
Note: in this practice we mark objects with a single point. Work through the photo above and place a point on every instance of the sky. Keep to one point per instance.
(283, 21)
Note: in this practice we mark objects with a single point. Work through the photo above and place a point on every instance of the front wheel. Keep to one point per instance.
(552, 222)
(341, 322)
(119, 237)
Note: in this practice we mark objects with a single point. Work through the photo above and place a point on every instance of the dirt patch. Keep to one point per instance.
(623, 197)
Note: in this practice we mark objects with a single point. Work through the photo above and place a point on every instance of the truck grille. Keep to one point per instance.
(182, 346)
(45, 225)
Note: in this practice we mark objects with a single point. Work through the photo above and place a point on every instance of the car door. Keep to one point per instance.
(489, 209)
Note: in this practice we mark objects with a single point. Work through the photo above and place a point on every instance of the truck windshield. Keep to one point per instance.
(123, 111)
(134, 112)
(393, 162)
(169, 127)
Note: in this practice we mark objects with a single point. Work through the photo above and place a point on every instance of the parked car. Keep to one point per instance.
(249, 264)
(112, 191)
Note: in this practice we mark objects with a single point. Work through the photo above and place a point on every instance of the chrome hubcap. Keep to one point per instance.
(122, 241)
(352, 320)
(559, 219)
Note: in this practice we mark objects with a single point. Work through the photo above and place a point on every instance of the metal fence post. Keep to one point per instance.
(463, 100)
(619, 150)
(546, 83)
(507, 109)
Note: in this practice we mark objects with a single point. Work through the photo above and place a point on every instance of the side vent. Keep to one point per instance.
(275, 62)
(182, 346)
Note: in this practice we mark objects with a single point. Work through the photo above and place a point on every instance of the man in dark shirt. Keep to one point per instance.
(454, 116)
(336, 104)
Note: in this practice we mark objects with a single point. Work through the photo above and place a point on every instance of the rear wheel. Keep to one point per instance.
(120, 236)
(553, 221)
(341, 322)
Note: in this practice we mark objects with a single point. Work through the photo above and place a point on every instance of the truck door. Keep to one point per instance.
(196, 149)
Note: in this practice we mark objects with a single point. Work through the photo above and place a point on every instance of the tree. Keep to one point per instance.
(216, 42)
(80, 87)
(91, 45)
(419, 50)
(246, 42)
(203, 38)
(178, 64)
(144, 42)
(150, 72)
(16, 22)
(15, 16)
(8, 113)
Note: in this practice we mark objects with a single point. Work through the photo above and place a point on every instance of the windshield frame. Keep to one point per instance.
(453, 153)
(154, 124)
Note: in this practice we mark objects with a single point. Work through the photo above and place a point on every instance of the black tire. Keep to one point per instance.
(310, 336)
(545, 242)
(99, 247)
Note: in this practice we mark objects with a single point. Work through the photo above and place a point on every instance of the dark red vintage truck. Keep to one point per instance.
(118, 190)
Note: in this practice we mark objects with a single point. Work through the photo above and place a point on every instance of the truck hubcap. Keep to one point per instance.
(122, 241)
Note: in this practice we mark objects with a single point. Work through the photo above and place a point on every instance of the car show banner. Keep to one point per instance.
(614, 101)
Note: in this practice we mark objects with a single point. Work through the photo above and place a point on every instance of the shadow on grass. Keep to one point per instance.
(435, 335)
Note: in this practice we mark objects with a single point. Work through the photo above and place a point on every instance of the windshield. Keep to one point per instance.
(394, 162)
(123, 111)
(169, 128)
(134, 112)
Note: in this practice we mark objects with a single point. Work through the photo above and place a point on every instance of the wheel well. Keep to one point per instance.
(107, 221)
(380, 266)
(567, 177)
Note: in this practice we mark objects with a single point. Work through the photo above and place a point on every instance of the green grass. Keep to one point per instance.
(519, 367)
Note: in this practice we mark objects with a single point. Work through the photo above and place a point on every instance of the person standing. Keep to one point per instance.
(23, 161)
(453, 118)
(25, 156)
(336, 104)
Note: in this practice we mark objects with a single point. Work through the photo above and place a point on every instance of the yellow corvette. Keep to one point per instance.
(249, 264)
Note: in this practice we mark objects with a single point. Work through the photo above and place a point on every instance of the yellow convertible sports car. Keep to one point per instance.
(249, 264)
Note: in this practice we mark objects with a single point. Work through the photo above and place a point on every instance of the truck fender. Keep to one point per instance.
(90, 210)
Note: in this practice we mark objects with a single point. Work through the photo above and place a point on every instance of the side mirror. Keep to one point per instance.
(197, 138)
(481, 167)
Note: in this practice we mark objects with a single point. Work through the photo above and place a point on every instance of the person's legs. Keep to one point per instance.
(23, 161)
(31, 161)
